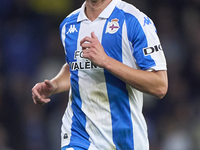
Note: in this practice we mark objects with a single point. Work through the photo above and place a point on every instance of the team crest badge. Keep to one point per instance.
(112, 26)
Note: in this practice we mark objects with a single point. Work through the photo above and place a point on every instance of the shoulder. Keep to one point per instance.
(128, 8)
(131, 12)
(136, 20)
(74, 14)
(72, 17)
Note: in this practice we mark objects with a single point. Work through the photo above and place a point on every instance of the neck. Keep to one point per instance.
(95, 7)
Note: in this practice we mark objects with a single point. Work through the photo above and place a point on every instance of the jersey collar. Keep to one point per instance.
(105, 14)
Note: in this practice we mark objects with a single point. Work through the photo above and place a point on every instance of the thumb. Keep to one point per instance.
(48, 83)
(93, 35)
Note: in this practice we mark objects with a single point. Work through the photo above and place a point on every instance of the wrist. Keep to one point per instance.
(55, 86)
(107, 63)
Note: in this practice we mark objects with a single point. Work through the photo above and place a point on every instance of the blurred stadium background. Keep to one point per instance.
(31, 51)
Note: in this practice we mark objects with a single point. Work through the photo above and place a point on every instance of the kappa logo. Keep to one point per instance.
(147, 21)
(72, 29)
(112, 26)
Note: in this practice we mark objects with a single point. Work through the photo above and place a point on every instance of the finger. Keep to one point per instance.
(86, 45)
(45, 101)
(48, 83)
(86, 53)
(93, 35)
(86, 39)
(35, 93)
(83, 41)
(35, 98)
(40, 101)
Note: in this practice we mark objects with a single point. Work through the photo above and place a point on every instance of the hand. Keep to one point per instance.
(41, 92)
(93, 50)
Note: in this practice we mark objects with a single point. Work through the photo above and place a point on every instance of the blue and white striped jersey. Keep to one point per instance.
(104, 113)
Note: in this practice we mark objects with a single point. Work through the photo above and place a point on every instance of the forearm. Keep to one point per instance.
(61, 81)
(154, 83)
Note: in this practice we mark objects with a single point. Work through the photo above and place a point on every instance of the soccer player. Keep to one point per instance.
(113, 55)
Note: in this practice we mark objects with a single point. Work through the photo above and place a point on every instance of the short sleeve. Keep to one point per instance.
(147, 49)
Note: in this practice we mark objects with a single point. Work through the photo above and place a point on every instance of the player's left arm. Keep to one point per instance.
(150, 82)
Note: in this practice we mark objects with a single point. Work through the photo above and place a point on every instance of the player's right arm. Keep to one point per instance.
(60, 83)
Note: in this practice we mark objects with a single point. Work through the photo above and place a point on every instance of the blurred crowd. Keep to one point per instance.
(31, 51)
